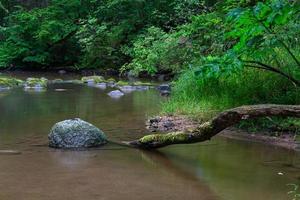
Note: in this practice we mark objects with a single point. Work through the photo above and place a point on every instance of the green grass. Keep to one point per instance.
(203, 98)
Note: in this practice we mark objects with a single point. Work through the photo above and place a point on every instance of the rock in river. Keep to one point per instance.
(36, 83)
(75, 133)
(92, 79)
(7, 83)
(115, 94)
(164, 89)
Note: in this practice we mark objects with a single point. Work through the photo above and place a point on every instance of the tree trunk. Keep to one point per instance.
(211, 128)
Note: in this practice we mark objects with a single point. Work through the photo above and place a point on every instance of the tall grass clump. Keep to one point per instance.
(204, 97)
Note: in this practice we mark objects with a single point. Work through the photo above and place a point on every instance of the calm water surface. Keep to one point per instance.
(221, 169)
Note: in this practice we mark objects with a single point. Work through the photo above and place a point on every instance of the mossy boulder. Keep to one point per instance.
(93, 79)
(9, 82)
(58, 80)
(123, 83)
(75, 133)
(36, 83)
(74, 81)
(139, 83)
(111, 80)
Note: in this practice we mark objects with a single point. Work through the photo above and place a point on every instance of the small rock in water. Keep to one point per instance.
(142, 88)
(280, 173)
(60, 90)
(34, 89)
(4, 88)
(36, 84)
(75, 133)
(62, 72)
(164, 89)
(127, 88)
(116, 94)
(101, 86)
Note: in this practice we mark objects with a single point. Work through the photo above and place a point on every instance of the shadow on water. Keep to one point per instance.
(161, 160)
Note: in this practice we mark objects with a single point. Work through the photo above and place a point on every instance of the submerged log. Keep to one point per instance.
(211, 128)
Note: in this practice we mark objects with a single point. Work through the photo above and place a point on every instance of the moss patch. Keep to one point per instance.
(122, 83)
(175, 137)
(95, 79)
(10, 82)
(139, 83)
(111, 80)
(36, 82)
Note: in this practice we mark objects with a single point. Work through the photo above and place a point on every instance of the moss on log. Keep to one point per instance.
(211, 128)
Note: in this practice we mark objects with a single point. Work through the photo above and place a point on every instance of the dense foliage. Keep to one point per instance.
(256, 59)
(224, 53)
(84, 33)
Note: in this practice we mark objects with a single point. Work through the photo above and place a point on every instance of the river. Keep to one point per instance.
(221, 169)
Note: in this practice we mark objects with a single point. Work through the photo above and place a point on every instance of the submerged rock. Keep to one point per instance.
(60, 90)
(73, 81)
(116, 94)
(101, 86)
(141, 87)
(75, 133)
(58, 80)
(9, 152)
(127, 88)
(139, 83)
(61, 72)
(36, 83)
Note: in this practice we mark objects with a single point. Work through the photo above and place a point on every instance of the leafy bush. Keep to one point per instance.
(40, 37)
(257, 39)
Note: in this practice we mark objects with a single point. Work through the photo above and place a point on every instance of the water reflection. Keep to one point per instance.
(217, 170)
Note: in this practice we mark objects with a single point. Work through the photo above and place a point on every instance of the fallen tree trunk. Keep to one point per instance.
(211, 128)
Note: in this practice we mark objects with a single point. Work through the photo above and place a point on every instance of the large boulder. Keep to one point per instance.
(75, 133)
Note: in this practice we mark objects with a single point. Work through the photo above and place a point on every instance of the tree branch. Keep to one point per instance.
(211, 128)
(272, 69)
(3, 8)
(285, 46)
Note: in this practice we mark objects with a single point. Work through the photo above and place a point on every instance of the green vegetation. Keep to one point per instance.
(83, 33)
(294, 193)
(95, 79)
(36, 82)
(9, 82)
(256, 60)
(222, 53)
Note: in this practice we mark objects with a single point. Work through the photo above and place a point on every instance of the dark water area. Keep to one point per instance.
(220, 169)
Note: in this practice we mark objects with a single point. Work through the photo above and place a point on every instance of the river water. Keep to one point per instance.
(221, 169)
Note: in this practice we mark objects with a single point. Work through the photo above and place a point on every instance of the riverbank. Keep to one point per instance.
(171, 123)
(73, 72)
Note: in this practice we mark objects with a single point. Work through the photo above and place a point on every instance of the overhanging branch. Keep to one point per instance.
(259, 65)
